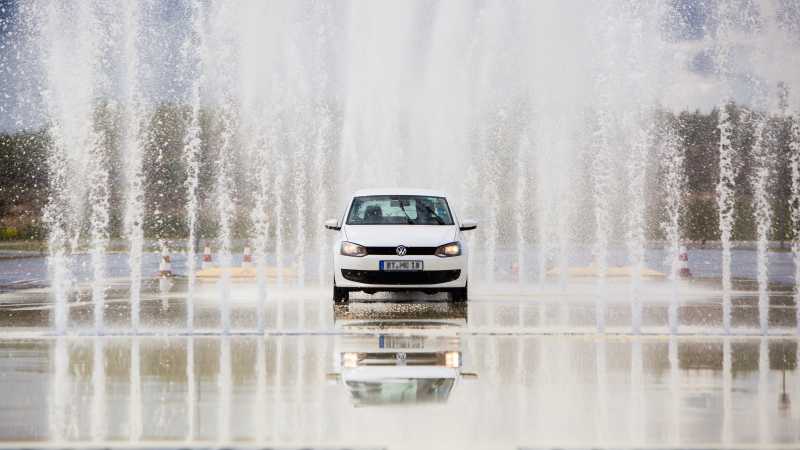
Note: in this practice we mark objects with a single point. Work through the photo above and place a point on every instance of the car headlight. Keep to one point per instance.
(349, 360)
(452, 360)
(446, 250)
(351, 249)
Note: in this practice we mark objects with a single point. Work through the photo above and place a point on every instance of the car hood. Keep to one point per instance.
(408, 235)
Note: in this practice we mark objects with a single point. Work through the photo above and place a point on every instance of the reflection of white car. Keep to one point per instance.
(397, 369)
(400, 240)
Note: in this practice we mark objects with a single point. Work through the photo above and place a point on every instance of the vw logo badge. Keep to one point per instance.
(401, 250)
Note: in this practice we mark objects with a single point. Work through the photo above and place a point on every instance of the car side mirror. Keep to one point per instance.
(468, 224)
(332, 224)
(469, 376)
(332, 378)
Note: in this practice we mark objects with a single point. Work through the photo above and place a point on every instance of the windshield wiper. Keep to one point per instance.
(408, 219)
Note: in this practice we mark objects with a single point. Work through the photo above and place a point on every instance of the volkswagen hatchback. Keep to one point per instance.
(400, 240)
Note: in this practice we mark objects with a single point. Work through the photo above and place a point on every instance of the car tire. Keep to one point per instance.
(340, 295)
(459, 295)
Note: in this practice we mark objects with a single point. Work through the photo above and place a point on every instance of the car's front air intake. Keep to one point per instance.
(400, 278)
(410, 251)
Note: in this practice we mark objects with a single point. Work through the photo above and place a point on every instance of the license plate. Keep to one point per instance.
(387, 341)
(401, 266)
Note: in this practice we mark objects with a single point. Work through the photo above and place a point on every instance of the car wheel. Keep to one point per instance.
(340, 295)
(459, 295)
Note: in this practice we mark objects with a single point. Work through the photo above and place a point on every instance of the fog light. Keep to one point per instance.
(349, 360)
(452, 360)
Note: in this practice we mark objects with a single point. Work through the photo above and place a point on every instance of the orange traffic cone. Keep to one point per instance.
(247, 258)
(683, 269)
(207, 261)
(165, 266)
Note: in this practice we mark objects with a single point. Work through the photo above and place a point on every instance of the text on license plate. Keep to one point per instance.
(399, 266)
(389, 341)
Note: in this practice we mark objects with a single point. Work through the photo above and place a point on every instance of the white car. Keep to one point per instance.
(400, 240)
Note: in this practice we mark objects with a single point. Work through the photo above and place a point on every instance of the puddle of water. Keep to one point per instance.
(516, 367)
(401, 390)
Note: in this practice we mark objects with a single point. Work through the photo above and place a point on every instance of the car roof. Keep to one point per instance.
(399, 191)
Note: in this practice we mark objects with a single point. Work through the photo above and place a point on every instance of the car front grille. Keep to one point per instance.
(400, 278)
(409, 359)
(393, 250)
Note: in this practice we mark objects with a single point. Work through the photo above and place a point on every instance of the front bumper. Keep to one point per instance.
(426, 277)
(364, 273)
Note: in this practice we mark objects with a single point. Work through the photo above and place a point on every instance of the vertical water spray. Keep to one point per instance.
(54, 218)
(99, 170)
(544, 196)
(639, 120)
(299, 183)
(133, 151)
(603, 172)
(727, 167)
(521, 198)
(225, 197)
(492, 232)
(672, 165)
(794, 205)
(494, 146)
(725, 203)
(559, 125)
(468, 206)
(636, 168)
(224, 65)
(98, 230)
(261, 225)
(542, 234)
(320, 137)
(322, 142)
(602, 175)
(278, 193)
(69, 48)
(762, 211)
(602, 163)
(193, 52)
(257, 132)
(299, 140)
(562, 211)
(321, 155)
(643, 52)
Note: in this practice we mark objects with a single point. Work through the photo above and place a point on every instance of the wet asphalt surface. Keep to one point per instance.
(518, 367)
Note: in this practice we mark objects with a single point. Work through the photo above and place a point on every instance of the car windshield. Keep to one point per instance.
(399, 210)
(400, 390)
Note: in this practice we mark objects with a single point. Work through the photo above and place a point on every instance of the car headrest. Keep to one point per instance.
(374, 212)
